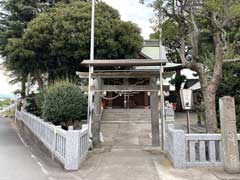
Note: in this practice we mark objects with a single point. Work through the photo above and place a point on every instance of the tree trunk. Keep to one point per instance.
(210, 91)
(177, 92)
(209, 96)
(23, 88)
(179, 102)
(210, 110)
(40, 82)
(23, 93)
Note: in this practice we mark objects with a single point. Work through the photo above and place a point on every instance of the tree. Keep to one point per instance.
(15, 15)
(57, 40)
(229, 86)
(171, 41)
(196, 20)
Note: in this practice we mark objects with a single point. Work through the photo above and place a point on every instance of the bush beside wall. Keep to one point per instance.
(64, 103)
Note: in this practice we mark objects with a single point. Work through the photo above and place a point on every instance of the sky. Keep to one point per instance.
(130, 10)
(5, 88)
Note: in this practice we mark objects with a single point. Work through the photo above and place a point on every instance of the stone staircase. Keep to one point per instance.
(126, 128)
(126, 116)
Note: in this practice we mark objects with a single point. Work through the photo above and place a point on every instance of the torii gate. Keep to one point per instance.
(157, 103)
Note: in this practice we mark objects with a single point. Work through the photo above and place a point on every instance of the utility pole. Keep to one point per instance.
(90, 81)
(162, 55)
(92, 31)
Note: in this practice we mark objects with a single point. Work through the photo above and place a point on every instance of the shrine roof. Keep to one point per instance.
(124, 62)
(125, 74)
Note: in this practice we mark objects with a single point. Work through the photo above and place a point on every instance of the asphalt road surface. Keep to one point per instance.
(16, 160)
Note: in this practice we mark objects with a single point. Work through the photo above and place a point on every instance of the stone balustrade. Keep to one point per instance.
(194, 150)
(69, 147)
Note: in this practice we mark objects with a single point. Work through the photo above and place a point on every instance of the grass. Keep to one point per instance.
(5, 103)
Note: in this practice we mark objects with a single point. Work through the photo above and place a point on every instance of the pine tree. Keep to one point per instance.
(14, 17)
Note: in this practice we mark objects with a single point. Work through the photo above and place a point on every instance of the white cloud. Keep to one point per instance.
(132, 10)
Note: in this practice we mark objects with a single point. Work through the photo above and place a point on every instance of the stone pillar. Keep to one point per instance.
(229, 135)
(72, 150)
(96, 125)
(154, 100)
(176, 146)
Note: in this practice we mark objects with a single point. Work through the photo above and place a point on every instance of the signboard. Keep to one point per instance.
(187, 99)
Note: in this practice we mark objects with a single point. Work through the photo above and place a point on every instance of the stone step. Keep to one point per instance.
(120, 113)
(117, 117)
(119, 122)
(111, 116)
(128, 110)
(126, 117)
(127, 113)
(125, 120)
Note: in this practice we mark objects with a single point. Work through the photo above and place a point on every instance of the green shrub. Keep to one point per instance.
(34, 103)
(31, 104)
(39, 99)
(64, 102)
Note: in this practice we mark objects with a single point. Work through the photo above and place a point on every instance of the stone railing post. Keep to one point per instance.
(229, 135)
(168, 141)
(72, 150)
(179, 149)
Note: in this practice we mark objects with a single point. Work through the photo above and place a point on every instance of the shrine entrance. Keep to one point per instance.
(126, 99)
(126, 89)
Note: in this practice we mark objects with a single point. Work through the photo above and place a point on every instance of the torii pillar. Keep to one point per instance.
(96, 123)
(155, 102)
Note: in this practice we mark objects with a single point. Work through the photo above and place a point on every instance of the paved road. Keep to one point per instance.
(16, 161)
(126, 155)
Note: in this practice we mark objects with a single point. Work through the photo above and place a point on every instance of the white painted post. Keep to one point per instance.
(54, 142)
(72, 150)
